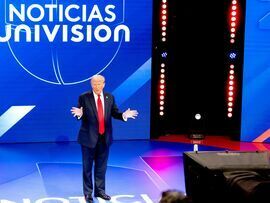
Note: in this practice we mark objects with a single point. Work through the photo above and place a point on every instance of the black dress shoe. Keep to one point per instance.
(102, 195)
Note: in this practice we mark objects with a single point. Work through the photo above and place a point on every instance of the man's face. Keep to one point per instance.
(97, 85)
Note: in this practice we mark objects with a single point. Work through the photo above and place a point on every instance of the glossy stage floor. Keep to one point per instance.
(138, 171)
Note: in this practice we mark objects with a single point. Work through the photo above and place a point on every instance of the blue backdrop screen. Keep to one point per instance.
(256, 76)
(50, 49)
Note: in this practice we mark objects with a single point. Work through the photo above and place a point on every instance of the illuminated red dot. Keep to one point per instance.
(164, 17)
(162, 75)
(161, 97)
(232, 41)
(162, 86)
(230, 104)
(232, 29)
(230, 98)
(164, 6)
(231, 88)
(164, 11)
(231, 77)
(231, 66)
(161, 92)
(162, 65)
(231, 83)
(161, 102)
(231, 71)
(164, 1)
(230, 93)
(234, 7)
(234, 2)
(161, 113)
(163, 33)
(163, 28)
(162, 81)
(230, 109)
(229, 115)
(232, 35)
(233, 24)
(233, 18)
(162, 70)
(164, 22)
(161, 108)
(163, 39)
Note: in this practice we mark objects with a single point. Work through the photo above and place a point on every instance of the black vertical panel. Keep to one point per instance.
(197, 70)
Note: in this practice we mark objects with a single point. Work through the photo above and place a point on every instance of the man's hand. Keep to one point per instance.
(130, 114)
(77, 112)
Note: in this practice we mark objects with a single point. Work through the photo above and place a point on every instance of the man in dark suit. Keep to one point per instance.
(96, 109)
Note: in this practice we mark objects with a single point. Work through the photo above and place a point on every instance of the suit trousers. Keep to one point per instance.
(97, 156)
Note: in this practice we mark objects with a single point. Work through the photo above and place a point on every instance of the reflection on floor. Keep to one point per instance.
(138, 171)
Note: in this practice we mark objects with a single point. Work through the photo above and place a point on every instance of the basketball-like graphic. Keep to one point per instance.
(65, 61)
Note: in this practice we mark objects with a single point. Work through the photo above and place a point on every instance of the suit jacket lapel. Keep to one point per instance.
(106, 104)
(93, 103)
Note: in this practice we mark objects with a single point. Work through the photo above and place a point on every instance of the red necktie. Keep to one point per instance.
(101, 121)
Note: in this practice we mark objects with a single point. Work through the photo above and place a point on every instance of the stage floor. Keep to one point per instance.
(138, 171)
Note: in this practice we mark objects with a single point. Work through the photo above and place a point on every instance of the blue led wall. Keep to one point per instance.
(50, 49)
(256, 73)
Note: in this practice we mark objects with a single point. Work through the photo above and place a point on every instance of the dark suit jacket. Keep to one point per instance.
(88, 134)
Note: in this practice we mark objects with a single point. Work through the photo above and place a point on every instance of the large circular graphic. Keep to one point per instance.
(59, 62)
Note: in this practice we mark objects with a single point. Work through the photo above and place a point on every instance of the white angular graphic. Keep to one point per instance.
(12, 116)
